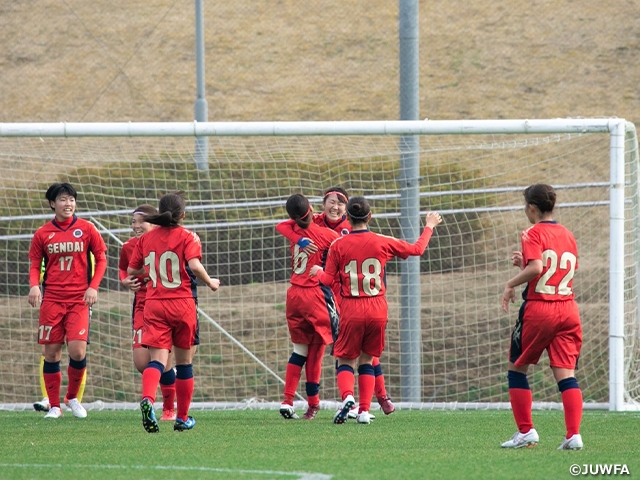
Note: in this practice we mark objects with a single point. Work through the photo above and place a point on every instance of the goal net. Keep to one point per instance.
(473, 172)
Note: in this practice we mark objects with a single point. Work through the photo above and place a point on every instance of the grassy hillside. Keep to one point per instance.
(288, 60)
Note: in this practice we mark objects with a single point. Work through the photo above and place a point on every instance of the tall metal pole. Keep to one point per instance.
(410, 328)
(201, 108)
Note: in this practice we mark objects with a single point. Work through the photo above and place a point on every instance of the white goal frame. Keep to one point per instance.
(618, 129)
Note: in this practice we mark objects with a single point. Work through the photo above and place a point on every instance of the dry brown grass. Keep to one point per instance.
(290, 60)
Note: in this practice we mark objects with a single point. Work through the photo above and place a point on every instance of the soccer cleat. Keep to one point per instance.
(149, 421)
(76, 408)
(386, 405)
(311, 412)
(182, 425)
(54, 412)
(42, 406)
(288, 412)
(522, 440)
(572, 443)
(364, 418)
(353, 413)
(168, 415)
(341, 415)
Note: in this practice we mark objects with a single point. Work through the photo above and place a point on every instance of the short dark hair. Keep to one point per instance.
(170, 210)
(358, 209)
(299, 209)
(57, 189)
(542, 196)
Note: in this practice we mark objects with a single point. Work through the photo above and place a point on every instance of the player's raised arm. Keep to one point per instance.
(286, 229)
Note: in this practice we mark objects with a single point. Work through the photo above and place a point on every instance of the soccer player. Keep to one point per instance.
(334, 216)
(44, 405)
(548, 319)
(310, 309)
(358, 261)
(69, 290)
(172, 254)
(138, 285)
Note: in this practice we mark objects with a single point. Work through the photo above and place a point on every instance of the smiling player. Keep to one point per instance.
(69, 290)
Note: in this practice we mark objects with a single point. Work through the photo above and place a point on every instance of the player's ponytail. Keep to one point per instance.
(171, 210)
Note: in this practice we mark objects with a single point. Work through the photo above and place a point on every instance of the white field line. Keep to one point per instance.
(297, 475)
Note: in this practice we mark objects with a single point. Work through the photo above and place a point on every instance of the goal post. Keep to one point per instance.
(447, 337)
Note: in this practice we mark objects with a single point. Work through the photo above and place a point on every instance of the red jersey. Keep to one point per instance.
(556, 247)
(342, 227)
(66, 249)
(165, 253)
(125, 255)
(359, 260)
(301, 263)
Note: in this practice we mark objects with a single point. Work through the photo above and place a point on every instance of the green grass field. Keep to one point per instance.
(262, 445)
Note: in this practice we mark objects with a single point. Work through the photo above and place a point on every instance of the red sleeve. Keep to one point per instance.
(100, 269)
(97, 242)
(123, 262)
(136, 262)
(193, 247)
(286, 230)
(325, 278)
(35, 255)
(403, 249)
(34, 272)
(531, 246)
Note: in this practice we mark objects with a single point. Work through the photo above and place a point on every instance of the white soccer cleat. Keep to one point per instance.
(288, 412)
(343, 413)
(364, 418)
(42, 406)
(353, 413)
(77, 409)
(572, 443)
(54, 412)
(523, 440)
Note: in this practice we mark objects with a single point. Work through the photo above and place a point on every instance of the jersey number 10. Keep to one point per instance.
(168, 271)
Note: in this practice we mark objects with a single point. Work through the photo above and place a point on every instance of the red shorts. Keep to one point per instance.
(63, 321)
(137, 321)
(551, 326)
(309, 312)
(170, 322)
(363, 322)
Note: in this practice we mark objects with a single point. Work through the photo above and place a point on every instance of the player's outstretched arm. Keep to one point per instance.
(201, 274)
(286, 230)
